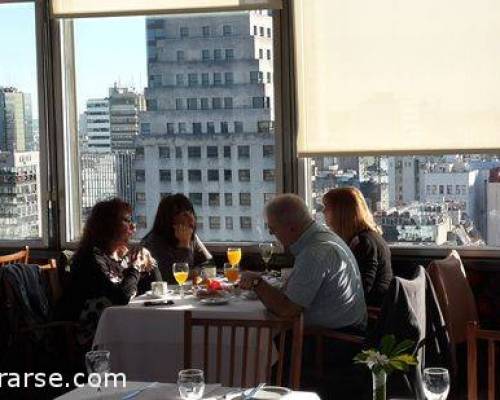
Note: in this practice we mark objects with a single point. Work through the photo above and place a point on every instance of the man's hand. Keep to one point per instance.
(247, 279)
(184, 234)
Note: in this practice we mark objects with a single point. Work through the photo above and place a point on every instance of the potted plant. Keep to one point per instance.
(390, 357)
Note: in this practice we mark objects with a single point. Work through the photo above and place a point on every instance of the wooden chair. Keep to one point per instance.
(51, 274)
(492, 337)
(21, 257)
(271, 330)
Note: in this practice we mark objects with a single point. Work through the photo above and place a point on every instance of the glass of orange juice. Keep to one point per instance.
(181, 273)
(232, 273)
(234, 255)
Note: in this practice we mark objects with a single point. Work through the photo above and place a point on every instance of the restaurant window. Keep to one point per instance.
(243, 152)
(245, 199)
(228, 199)
(244, 175)
(229, 223)
(140, 197)
(183, 58)
(214, 199)
(213, 175)
(196, 199)
(246, 223)
(214, 222)
(194, 175)
(165, 175)
(212, 152)
(194, 152)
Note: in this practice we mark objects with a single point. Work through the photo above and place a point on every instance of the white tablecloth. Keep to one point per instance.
(147, 343)
(161, 391)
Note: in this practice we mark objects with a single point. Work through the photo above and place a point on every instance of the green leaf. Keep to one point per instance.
(387, 344)
(399, 365)
(402, 347)
(405, 358)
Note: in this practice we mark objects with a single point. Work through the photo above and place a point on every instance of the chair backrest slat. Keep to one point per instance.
(251, 330)
(21, 257)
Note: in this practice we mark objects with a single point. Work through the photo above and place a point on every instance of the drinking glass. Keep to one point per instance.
(97, 362)
(234, 255)
(232, 273)
(191, 384)
(181, 273)
(436, 383)
(266, 252)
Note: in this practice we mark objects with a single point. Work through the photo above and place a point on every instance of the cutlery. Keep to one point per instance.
(133, 394)
(252, 392)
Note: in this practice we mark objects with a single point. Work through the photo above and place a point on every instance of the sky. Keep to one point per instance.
(107, 50)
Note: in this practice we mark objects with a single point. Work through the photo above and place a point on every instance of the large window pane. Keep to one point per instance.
(449, 200)
(189, 105)
(20, 180)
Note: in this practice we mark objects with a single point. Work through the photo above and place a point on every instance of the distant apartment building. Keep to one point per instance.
(124, 108)
(404, 180)
(16, 119)
(208, 131)
(19, 195)
(98, 126)
(493, 213)
(98, 179)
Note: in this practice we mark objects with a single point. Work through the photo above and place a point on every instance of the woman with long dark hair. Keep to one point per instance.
(348, 215)
(173, 236)
(104, 271)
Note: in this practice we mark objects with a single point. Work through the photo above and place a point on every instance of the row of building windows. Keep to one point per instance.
(195, 79)
(243, 151)
(214, 222)
(195, 175)
(217, 55)
(206, 31)
(193, 103)
(440, 189)
(214, 199)
(260, 31)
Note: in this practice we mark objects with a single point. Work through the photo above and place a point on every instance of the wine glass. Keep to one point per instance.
(191, 384)
(436, 382)
(97, 362)
(266, 252)
(181, 273)
(234, 255)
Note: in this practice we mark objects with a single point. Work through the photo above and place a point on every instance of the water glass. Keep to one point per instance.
(266, 252)
(98, 362)
(191, 384)
(436, 383)
(181, 273)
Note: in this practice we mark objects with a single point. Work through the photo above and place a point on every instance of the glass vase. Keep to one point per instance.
(379, 385)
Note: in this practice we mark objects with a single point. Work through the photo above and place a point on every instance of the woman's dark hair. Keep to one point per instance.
(169, 207)
(103, 225)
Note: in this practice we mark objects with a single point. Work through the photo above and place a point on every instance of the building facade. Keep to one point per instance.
(17, 120)
(98, 126)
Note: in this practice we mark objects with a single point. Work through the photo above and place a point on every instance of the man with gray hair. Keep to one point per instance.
(325, 283)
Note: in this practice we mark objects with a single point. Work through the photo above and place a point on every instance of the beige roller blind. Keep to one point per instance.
(394, 77)
(96, 8)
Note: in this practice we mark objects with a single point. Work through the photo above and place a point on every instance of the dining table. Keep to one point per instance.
(165, 391)
(147, 342)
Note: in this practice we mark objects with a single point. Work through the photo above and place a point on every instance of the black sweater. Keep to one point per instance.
(374, 260)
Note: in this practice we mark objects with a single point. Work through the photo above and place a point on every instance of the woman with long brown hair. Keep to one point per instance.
(104, 270)
(348, 215)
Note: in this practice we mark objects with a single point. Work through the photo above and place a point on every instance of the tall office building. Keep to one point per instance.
(19, 195)
(98, 126)
(208, 130)
(16, 131)
(124, 108)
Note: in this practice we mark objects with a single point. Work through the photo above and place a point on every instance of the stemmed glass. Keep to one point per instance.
(266, 252)
(97, 362)
(181, 273)
(436, 382)
(234, 255)
(191, 384)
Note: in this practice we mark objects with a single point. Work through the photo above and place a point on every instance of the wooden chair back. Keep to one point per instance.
(21, 256)
(493, 339)
(269, 331)
(51, 274)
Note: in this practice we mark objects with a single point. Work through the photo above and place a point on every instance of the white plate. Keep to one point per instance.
(267, 393)
(215, 301)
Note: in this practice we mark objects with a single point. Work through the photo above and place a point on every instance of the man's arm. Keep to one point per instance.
(274, 299)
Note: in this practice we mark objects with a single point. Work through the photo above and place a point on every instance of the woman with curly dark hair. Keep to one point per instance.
(173, 236)
(104, 271)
